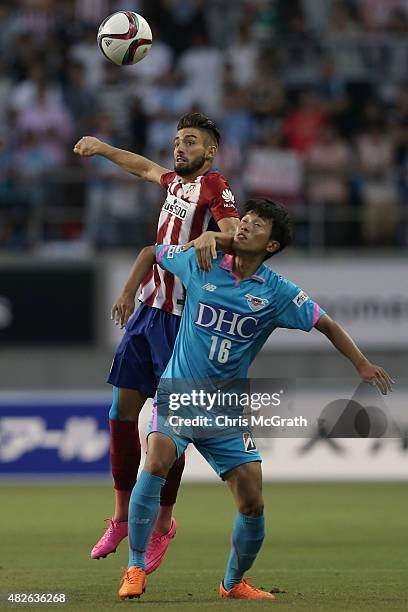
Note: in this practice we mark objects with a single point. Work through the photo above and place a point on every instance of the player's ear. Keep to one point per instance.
(211, 152)
(273, 246)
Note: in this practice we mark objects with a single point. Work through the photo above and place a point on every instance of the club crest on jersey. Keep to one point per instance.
(249, 442)
(256, 303)
(188, 189)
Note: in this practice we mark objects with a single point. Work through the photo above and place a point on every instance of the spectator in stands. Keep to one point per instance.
(25, 92)
(266, 91)
(114, 203)
(329, 165)
(202, 68)
(167, 97)
(80, 99)
(379, 195)
(237, 123)
(342, 43)
(114, 96)
(13, 210)
(242, 55)
(273, 169)
(33, 162)
(49, 120)
(6, 86)
(302, 125)
(301, 52)
(87, 52)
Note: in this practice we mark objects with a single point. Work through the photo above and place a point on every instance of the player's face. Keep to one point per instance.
(191, 151)
(253, 235)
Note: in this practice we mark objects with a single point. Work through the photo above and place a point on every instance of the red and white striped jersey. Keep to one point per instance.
(185, 215)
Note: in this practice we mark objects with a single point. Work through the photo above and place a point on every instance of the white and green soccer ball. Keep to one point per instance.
(125, 38)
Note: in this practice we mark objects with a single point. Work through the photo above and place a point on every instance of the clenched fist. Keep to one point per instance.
(88, 146)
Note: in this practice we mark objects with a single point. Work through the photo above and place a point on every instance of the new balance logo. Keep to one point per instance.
(209, 287)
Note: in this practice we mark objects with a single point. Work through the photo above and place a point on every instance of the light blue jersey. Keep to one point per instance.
(224, 325)
(226, 321)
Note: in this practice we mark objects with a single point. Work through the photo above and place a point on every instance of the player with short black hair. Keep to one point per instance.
(231, 309)
(282, 224)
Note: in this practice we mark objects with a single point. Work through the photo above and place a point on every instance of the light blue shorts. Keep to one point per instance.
(222, 453)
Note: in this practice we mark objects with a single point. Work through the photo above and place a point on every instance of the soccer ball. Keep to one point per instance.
(124, 38)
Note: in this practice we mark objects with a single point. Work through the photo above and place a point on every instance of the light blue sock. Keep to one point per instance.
(247, 536)
(114, 409)
(143, 508)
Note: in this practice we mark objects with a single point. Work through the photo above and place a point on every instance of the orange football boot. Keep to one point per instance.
(133, 583)
(244, 590)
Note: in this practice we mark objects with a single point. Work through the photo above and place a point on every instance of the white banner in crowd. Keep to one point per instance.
(368, 296)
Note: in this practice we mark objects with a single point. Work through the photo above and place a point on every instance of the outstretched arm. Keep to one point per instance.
(88, 146)
(346, 345)
(125, 304)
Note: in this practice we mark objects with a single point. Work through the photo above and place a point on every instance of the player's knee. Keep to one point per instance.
(251, 506)
(158, 466)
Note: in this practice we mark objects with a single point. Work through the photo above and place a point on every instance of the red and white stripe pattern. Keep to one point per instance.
(185, 215)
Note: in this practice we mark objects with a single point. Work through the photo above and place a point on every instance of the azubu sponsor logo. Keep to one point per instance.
(223, 320)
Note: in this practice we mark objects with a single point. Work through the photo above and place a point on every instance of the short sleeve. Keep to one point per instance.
(221, 200)
(171, 257)
(167, 178)
(298, 310)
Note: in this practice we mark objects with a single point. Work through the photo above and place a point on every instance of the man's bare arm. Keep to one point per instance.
(346, 345)
(88, 146)
(207, 244)
(125, 304)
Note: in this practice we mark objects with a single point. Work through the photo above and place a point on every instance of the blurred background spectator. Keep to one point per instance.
(311, 98)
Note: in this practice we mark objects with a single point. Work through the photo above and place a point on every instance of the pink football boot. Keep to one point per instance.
(158, 546)
(112, 537)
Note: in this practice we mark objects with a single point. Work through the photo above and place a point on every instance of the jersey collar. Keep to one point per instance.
(227, 263)
(197, 179)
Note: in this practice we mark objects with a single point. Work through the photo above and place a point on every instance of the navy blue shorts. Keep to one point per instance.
(145, 350)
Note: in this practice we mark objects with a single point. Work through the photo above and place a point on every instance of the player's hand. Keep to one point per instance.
(122, 309)
(377, 376)
(206, 248)
(88, 146)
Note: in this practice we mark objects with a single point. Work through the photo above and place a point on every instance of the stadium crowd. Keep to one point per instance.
(311, 99)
